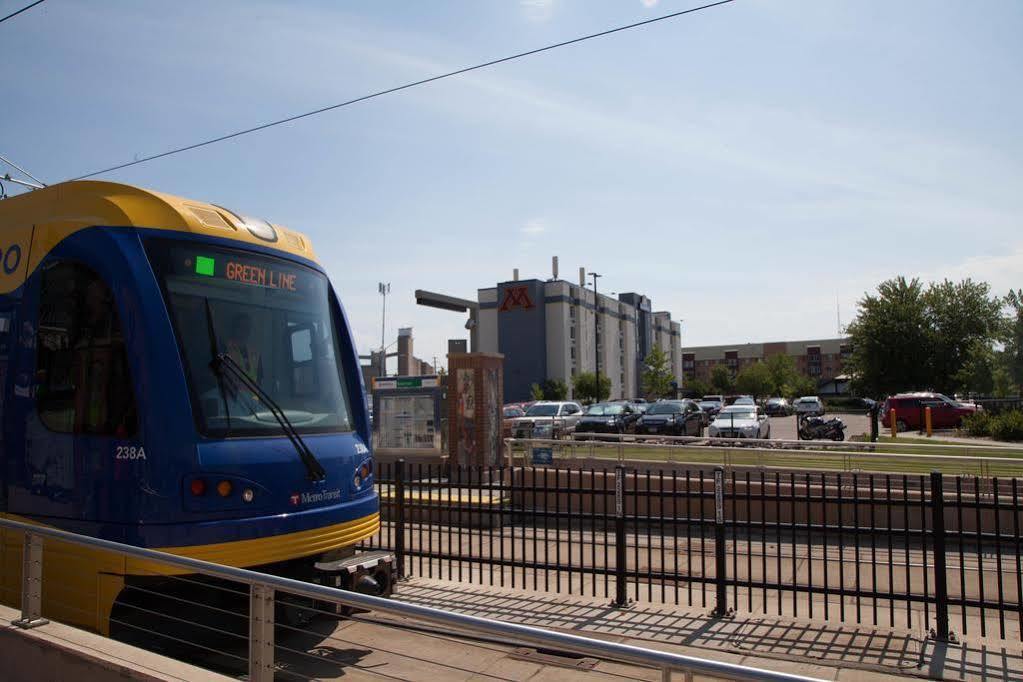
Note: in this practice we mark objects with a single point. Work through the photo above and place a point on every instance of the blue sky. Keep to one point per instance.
(744, 166)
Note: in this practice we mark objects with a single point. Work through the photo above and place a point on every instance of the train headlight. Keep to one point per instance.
(224, 488)
(363, 473)
(198, 487)
(247, 495)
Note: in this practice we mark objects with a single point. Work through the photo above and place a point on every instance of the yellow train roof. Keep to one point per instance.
(60, 210)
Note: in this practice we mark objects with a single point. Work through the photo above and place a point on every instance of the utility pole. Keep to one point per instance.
(384, 289)
(596, 332)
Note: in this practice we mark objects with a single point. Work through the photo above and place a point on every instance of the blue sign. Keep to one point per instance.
(543, 456)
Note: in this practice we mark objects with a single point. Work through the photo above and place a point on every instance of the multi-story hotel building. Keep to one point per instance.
(547, 329)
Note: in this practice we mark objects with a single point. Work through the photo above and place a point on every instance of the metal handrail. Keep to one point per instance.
(263, 586)
(743, 446)
(721, 441)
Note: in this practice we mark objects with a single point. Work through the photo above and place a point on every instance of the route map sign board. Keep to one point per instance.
(543, 456)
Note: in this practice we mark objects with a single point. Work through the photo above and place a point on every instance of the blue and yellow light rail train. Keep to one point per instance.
(173, 375)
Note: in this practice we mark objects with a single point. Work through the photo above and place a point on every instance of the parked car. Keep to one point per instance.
(744, 400)
(672, 418)
(740, 421)
(638, 405)
(778, 407)
(616, 417)
(909, 411)
(716, 398)
(509, 413)
(809, 406)
(709, 408)
(548, 419)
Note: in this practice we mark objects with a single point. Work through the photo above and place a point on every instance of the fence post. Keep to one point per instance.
(399, 518)
(874, 412)
(261, 633)
(940, 632)
(720, 564)
(621, 590)
(31, 583)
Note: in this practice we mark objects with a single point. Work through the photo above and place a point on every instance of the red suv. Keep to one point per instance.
(909, 411)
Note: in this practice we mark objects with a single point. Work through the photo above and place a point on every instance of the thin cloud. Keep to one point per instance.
(534, 227)
(649, 3)
(537, 10)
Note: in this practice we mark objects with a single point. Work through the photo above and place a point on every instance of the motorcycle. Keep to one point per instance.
(819, 428)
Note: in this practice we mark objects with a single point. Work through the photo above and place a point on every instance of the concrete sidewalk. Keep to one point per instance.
(807, 647)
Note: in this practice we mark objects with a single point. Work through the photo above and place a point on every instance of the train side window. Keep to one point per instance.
(82, 375)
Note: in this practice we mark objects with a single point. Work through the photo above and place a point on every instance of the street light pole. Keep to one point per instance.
(596, 327)
(384, 289)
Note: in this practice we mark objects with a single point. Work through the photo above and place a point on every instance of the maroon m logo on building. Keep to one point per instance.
(516, 297)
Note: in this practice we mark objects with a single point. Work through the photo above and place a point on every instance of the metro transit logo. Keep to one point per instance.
(516, 297)
(297, 499)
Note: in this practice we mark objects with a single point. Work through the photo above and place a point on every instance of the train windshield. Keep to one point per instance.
(273, 318)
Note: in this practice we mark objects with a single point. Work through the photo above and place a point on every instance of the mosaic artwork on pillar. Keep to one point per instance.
(467, 446)
(492, 410)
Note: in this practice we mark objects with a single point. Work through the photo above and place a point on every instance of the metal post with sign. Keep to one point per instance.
(720, 564)
(621, 594)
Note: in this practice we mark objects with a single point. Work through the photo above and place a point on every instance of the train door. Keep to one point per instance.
(78, 403)
(15, 249)
(70, 412)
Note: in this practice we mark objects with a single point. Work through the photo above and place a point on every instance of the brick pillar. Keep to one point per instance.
(475, 395)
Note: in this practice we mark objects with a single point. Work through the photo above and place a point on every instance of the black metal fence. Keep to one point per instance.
(999, 405)
(941, 554)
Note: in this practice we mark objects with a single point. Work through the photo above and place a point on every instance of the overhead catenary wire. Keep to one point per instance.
(20, 169)
(399, 88)
(23, 9)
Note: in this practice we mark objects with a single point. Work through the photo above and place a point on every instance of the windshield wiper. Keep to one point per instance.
(313, 467)
(223, 362)
(214, 351)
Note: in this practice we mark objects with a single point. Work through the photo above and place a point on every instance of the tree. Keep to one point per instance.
(657, 376)
(1002, 385)
(977, 373)
(755, 380)
(697, 386)
(551, 389)
(1013, 336)
(890, 339)
(907, 337)
(961, 318)
(782, 369)
(584, 387)
(721, 379)
(801, 385)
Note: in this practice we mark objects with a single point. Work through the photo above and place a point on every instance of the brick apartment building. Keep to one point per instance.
(820, 359)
